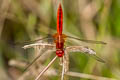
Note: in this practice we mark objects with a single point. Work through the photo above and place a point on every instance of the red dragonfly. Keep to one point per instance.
(59, 39)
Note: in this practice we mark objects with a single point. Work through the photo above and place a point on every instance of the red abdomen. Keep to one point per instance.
(59, 20)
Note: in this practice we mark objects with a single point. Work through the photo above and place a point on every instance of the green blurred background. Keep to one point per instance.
(25, 20)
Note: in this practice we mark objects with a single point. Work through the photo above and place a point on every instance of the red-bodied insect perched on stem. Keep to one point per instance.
(59, 37)
(59, 40)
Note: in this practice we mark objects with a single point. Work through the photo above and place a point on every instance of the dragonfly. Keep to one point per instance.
(59, 40)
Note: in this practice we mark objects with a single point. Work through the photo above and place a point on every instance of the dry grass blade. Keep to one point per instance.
(38, 44)
(66, 61)
(41, 73)
(63, 69)
(87, 76)
(65, 66)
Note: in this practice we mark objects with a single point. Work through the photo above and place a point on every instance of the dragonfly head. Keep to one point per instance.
(60, 53)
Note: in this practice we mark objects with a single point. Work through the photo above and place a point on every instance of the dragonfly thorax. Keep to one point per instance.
(59, 39)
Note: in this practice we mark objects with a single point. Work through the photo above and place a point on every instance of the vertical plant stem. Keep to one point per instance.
(63, 69)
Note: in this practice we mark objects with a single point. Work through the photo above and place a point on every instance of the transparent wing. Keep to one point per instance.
(83, 49)
(45, 46)
(32, 63)
(96, 57)
(47, 39)
(88, 41)
(49, 47)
